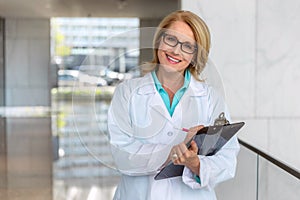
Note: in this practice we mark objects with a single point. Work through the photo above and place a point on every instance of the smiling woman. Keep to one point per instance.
(170, 53)
(195, 34)
(145, 110)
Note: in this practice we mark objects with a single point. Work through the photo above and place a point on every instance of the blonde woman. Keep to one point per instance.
(145, 114)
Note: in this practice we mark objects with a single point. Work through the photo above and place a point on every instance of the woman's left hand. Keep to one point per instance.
(181, 155)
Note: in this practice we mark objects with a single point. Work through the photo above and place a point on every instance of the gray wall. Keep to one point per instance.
(27, 62)
(2, 71)
(255, 47)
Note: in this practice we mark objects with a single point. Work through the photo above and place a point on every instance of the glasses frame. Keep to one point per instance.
(178, 42)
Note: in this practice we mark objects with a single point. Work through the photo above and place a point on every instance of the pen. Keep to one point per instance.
(188, 144)
(182, 129)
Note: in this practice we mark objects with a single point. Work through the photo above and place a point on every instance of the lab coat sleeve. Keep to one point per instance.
(221, 166)
(132, 156)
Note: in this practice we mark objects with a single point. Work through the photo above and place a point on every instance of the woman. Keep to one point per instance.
(146, 112)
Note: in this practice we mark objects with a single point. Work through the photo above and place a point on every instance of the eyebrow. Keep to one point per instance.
(192, 42)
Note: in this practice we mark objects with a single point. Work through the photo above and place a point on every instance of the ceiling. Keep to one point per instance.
(86, 8)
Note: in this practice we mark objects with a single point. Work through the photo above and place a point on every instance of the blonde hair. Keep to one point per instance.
(201, 34)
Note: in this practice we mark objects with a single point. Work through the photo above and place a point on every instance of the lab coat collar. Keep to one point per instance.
(196, 88)
(147, 86)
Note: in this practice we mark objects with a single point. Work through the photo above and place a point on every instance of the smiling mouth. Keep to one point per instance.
(172, 59)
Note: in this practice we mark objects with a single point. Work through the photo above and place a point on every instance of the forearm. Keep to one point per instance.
(195, 166)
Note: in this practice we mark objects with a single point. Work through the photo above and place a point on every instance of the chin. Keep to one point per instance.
(170, 69)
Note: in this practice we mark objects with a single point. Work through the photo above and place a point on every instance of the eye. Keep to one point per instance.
(171, 39)
(188, 46)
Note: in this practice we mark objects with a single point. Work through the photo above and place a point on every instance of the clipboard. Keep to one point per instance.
(209, 139)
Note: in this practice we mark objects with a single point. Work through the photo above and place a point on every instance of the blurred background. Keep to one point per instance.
(61, 60)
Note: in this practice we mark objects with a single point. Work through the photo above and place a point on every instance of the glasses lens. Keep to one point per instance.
(188, 47)
(170, 40)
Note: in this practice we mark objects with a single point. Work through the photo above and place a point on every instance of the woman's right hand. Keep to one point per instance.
(192, 132)
(181, 154)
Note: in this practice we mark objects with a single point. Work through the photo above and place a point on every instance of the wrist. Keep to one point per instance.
(195, 168)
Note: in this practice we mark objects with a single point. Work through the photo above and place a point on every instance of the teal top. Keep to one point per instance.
(164, 95)
(197, 178)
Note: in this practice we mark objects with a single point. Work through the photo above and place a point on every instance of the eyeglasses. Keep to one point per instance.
(172, 41)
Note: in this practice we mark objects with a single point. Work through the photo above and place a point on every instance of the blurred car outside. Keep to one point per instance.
(111, 77)
(100, 70)
(71, 78)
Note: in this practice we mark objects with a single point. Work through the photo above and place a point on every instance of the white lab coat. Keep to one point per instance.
(142, 133)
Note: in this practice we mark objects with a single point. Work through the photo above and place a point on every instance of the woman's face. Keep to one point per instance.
(176, 58)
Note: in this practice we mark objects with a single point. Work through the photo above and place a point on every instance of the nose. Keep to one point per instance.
(177, 49)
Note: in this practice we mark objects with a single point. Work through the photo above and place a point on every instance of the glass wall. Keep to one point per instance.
(258, 178)
(275, 183)
(101, 47)
(83, 165)
(91, 56)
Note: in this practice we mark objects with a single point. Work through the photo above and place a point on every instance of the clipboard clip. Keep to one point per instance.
(221, 120)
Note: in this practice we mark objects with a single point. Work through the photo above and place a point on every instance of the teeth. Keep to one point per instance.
(173, 59)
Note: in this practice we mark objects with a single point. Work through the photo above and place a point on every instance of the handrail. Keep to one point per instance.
(276, 162)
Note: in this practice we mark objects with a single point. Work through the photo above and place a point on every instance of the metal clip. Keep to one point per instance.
(221, 120)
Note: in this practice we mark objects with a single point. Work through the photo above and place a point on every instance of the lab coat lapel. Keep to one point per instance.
(188, 107)
(156, 103)
(151, 104)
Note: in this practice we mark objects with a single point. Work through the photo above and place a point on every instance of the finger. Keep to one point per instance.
(186, 154)
(196, 128)
(181, 160)
(193, 131)
(200, 127)
(179, 152)
(182, 148)
(174, 156)
(175, 153)
(194, 147)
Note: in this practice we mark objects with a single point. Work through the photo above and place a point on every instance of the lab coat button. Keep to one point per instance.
(170, 133)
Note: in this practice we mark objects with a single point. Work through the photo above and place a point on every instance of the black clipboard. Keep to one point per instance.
(210, 140)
